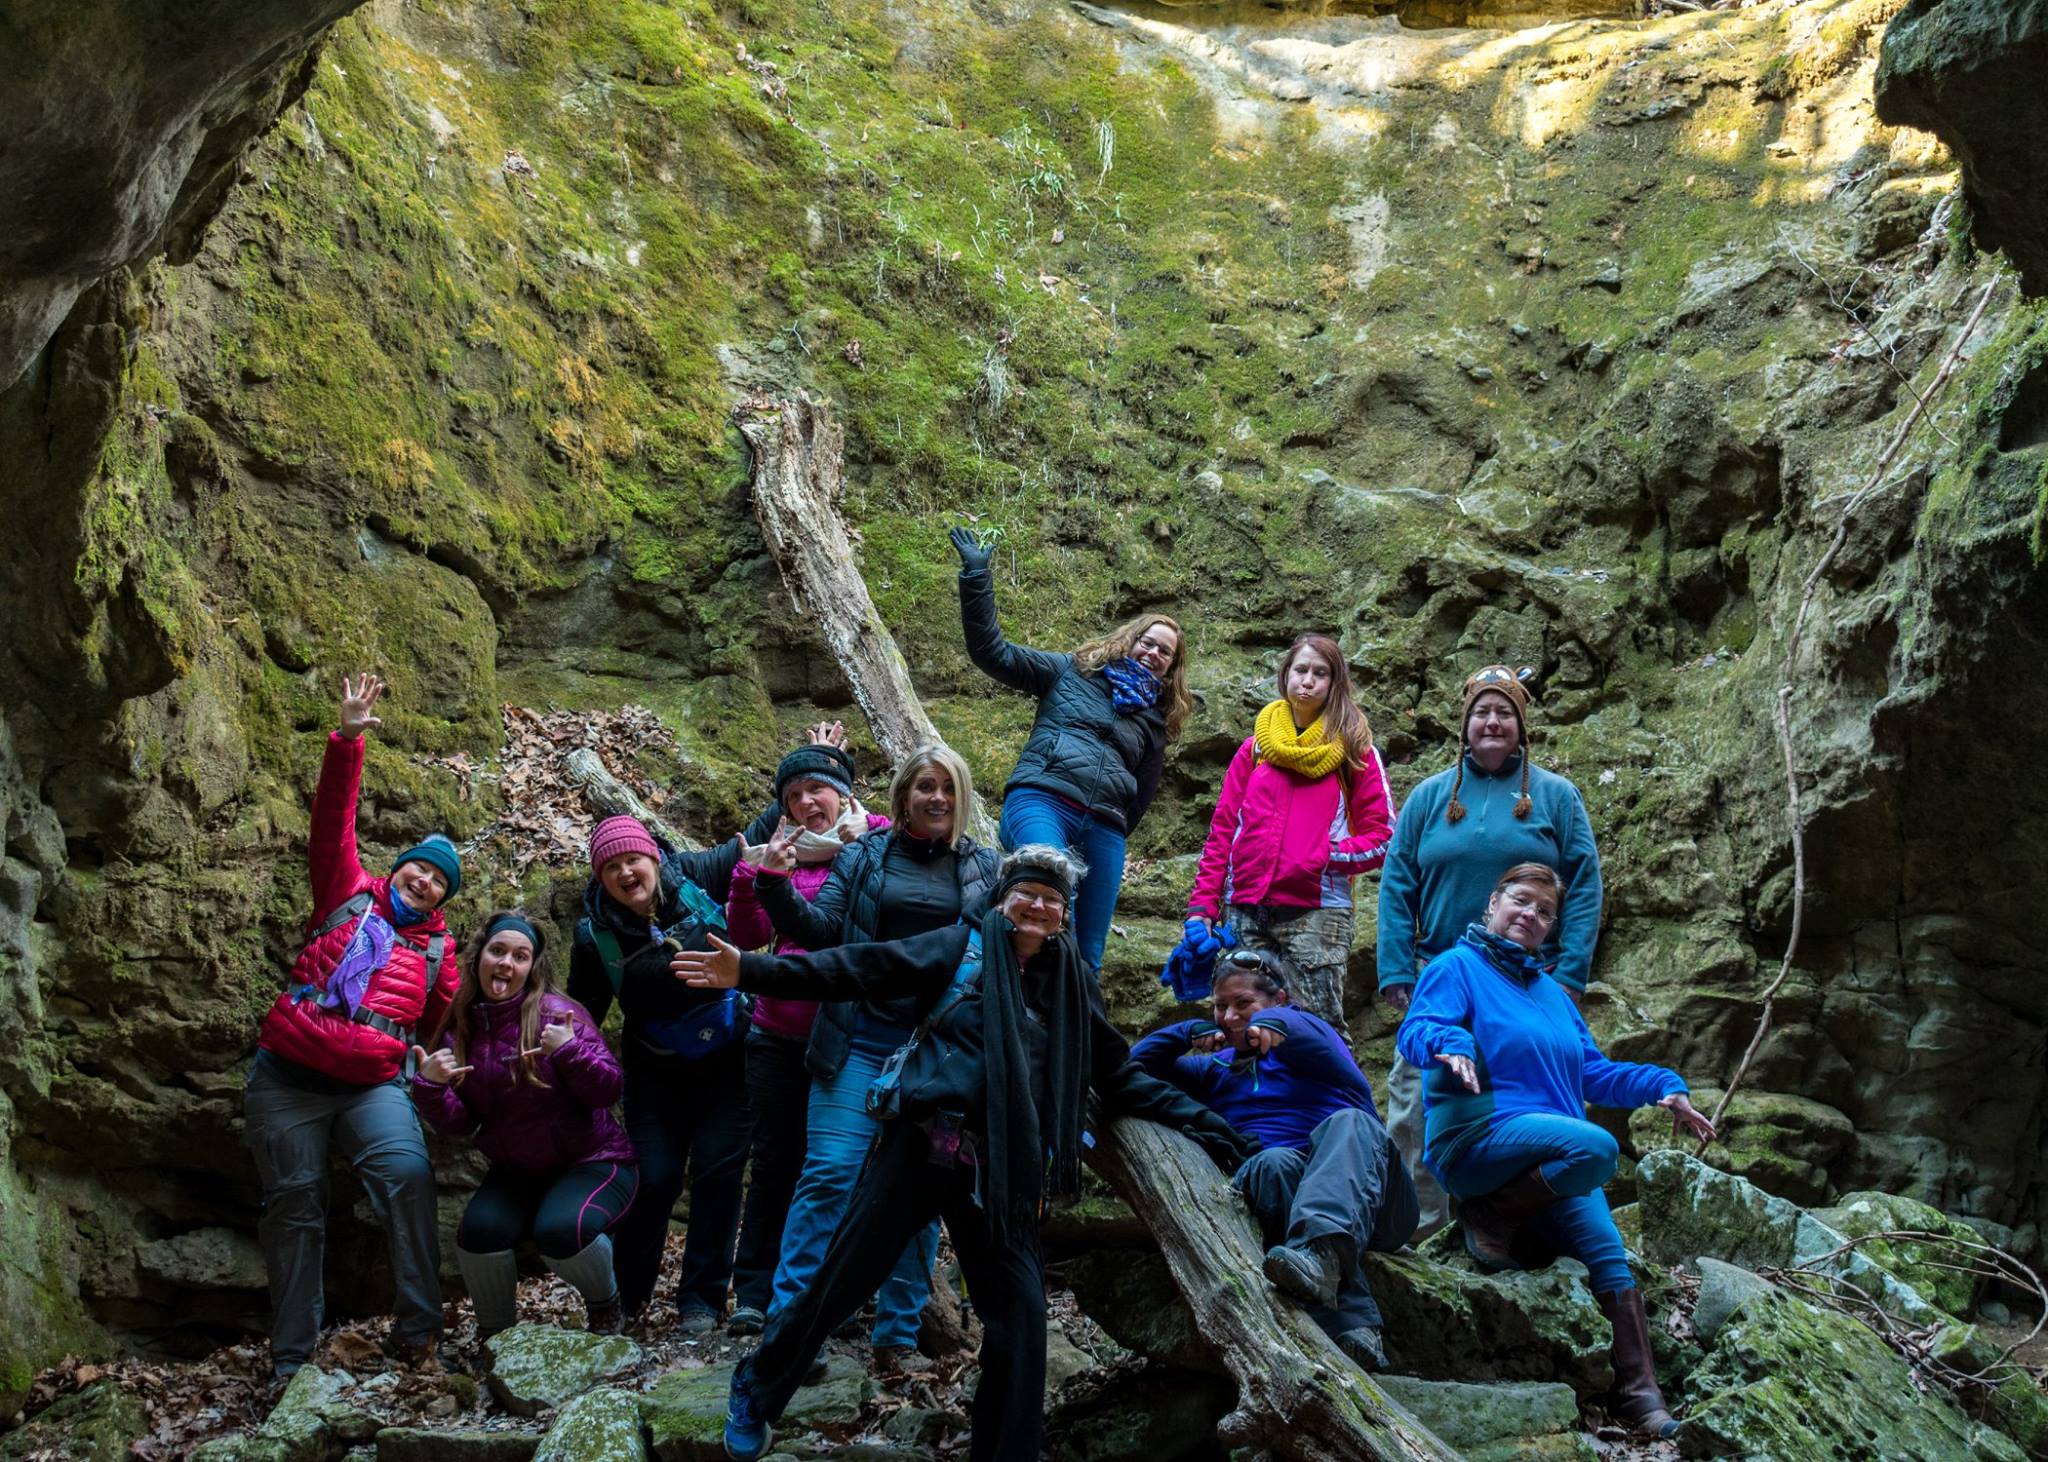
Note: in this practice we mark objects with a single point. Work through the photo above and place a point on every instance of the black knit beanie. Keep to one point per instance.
(831, 765)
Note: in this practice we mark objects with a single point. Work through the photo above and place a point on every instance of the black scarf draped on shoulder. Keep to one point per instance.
(1030, 1154)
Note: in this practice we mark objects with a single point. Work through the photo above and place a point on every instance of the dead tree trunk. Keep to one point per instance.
(1298, 1396)
(607, 796)
(799, 459)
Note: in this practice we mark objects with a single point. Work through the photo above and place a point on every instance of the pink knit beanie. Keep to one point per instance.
(616, 835)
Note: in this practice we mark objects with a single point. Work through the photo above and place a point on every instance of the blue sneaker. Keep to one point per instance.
(747, 1432)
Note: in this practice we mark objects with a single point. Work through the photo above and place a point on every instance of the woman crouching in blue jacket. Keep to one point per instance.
(1510, 1068)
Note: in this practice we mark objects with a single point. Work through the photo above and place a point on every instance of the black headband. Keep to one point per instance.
(518, 925)
(1034, 873)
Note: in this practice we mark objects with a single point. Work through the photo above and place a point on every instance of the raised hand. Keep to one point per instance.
(715, 969)
(440, 1067)
(1463, 1069)
(557, 1033)
(974, 558)
(1686, 1119)
(778, 854)
(826, 733)
(357, 697)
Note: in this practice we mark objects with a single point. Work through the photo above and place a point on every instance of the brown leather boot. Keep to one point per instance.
(1489, 1222)
(1637, 1400)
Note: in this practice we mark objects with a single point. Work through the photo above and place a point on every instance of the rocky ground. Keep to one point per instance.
(1766, 1320)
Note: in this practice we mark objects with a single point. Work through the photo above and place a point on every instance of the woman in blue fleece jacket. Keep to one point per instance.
(1510, 1068)
(1329, 1185)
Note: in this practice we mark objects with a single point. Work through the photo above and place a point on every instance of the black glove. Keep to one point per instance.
(1227, 1147)
(973, 557)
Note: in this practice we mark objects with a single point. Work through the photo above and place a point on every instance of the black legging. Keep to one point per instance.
(779, 1095)
(561, 1211)
(899, 1192)
(687, 1119)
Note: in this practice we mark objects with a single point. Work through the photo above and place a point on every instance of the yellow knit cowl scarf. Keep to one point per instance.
(1304, 752)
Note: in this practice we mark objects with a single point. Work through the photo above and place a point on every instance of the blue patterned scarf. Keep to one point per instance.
(1131, 686)
(1504, 954)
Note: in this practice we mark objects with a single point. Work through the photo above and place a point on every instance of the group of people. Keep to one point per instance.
(918, 1037)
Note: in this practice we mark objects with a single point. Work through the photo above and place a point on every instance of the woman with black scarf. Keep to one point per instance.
(985, 1124)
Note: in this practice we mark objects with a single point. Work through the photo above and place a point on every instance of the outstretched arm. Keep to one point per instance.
(1031, 671)
(337, 870)
(923, 964)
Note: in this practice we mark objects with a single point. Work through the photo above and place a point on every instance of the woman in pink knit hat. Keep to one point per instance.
(685, 1075)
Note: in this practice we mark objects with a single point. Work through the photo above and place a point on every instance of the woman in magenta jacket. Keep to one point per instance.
(1304, 810)
(527, 1074)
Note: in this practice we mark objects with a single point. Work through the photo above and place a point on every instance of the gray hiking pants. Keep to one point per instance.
(1404, 1120)
(1349, 1186)
(375, 1128)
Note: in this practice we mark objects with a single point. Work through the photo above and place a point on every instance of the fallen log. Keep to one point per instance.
(1299, 1397)
(607, 796)
(798, 479)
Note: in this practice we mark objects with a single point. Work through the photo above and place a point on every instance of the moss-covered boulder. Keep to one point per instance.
(93, 1424)
(534, 1367)
(1926, 1264)
(1130, 1293)
(598, 1426)
(1506, 1421)
(685, 1410)
(1161, 1414)
(1786, 1145)
(1791, 1382)
(1447, 1323)
(424, 1444)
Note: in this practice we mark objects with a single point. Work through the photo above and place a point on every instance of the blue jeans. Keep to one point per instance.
(1032, 816)
(838, 1134)
(1577, 1159)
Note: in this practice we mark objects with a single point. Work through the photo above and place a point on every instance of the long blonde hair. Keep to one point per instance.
(539, 985)
(1174, 701)
(934, 754)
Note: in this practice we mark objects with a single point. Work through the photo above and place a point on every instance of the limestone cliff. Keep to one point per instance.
(1561, 345)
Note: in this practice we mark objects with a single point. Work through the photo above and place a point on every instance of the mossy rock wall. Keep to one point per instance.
(1464, 345)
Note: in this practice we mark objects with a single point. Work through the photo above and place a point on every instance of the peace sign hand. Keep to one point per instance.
(357, 697)
(557, 1033)
(440, 1067)
(778, 855)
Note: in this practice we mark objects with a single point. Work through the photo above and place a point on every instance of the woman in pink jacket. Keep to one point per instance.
(1304, 810)
(814, 784)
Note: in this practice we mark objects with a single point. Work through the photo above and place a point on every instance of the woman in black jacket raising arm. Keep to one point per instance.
(984, 1124)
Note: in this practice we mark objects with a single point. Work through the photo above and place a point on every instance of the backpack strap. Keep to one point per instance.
(437, 951)
(608, 950)
(348, 909)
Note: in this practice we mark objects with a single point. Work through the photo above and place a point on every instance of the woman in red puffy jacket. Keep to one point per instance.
(377, 965)
(527, 1073)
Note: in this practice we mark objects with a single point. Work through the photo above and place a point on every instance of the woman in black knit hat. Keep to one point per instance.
(983, 1123)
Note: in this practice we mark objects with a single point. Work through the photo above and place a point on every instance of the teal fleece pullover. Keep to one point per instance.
(1438, 874)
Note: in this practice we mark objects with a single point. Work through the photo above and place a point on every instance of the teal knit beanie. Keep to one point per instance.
(437, 850)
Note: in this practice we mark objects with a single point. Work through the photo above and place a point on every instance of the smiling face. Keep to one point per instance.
(931, 803)
(503, 967)
(1307, 684)
(1155, 648)
(420, 884)
(1237, 999)
(1523, 912)
(1037, 909)
(633, 879)
(1492, 729)
(813, 804)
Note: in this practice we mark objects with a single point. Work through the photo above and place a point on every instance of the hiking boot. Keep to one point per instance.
(423, 1356)
(900, 1360)
(1492, 1221)
(746, 1320)
(1637, 1399)
(747, 1432)
(1364, 1348)
(604, 1319)
(694, 1317)
(1310, 1272)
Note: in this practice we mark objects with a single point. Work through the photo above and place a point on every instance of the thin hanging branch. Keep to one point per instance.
(1794, 812)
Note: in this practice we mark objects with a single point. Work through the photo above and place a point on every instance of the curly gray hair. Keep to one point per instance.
(1042, 862)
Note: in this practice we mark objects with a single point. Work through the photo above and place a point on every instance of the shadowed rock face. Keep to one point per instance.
(1972, 72)
(125, 123)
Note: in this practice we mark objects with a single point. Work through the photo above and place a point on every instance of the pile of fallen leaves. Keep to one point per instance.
(545, 819)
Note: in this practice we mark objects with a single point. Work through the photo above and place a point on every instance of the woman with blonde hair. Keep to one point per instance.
(525, 1072)
(922, 872)
(1091, 766)
(1304, 810)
